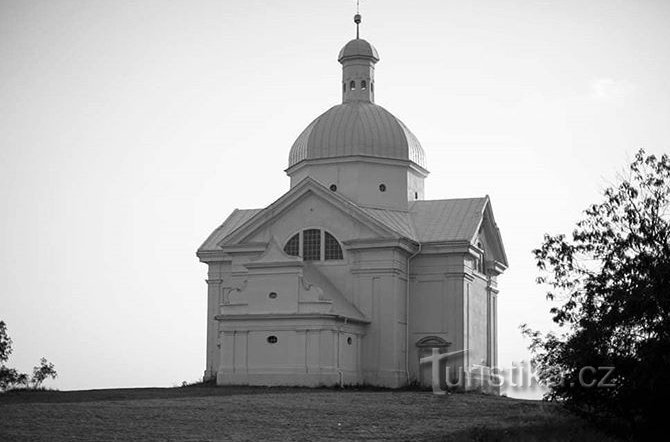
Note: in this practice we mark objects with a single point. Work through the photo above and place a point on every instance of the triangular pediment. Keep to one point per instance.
(307, 188)
(488, 236)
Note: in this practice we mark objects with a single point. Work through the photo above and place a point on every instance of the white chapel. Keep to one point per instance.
(351, 276)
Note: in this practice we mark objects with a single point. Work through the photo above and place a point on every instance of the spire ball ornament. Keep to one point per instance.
(357, 20)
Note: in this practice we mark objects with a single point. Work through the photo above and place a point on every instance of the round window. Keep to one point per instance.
(333, 187)
(272, 339)
(349, 340)
(272, 295)
(382, 187)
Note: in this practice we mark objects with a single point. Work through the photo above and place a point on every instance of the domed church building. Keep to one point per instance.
(351, 276)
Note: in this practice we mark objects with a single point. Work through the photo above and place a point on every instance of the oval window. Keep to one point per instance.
(382, 187)
(272, 295)
(272, 339)
(333, 187)
(349, 341)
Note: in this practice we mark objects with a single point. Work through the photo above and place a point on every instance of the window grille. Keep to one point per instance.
(311, 245)
(332, 247)
(292, 247)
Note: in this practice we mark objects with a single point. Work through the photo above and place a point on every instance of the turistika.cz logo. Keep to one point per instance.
(522, 376)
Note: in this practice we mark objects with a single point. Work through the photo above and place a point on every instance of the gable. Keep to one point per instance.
(308, 204)
(311, 211)
(489, 236)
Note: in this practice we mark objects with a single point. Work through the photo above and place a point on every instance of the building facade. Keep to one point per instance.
(351, 276)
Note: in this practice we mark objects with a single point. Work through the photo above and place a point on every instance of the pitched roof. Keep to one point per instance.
(435, 220)
(397, 220)
(447, 220)
(234, 220)
(426, 221)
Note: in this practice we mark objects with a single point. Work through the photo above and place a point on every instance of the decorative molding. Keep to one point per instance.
(357, 159)
(250, 247)
(432, 342)
(289, 316)
(381, 243)
(208, 256)
(225, 292)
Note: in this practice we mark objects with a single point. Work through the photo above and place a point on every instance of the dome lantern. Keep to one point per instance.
(359, 141)
(358, 58)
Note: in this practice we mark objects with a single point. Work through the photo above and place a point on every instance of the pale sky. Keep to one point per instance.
(129, 130)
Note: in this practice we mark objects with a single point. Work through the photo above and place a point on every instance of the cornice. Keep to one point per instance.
(289, 316)
(251, 247)
(357, 159)
(212, 256)
(381, 243)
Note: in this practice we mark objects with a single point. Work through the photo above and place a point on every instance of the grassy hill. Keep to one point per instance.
(247, 413)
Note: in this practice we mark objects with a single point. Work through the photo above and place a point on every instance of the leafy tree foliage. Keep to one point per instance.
(5, 343)
(611, 282)
(10, 378)
(41, 372)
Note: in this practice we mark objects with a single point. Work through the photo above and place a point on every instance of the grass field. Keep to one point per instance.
(247, 413)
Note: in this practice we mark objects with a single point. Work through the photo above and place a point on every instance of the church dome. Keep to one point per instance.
(357, 128)
(358, 48)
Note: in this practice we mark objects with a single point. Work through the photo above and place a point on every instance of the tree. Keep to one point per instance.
(5, 343)
(611, 281)
(41, 372)
(10, 378)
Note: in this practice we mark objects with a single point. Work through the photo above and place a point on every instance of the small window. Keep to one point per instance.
(372, 87)
(349, 340)
(332, 247)
(416, 195)
(272, 339)
(333, 187)
(272, 295)
(382, 187)
(344, 87)
(364, 85)
(292, 247)
(311, 245)
(352, 85)
(480, 264)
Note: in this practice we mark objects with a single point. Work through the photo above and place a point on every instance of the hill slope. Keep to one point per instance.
(246, 413)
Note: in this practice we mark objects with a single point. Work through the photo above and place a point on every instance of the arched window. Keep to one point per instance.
(364, 85)
(352, 85)
(292, 247)
(332, 247)
(311, 245)
(372, 87)
(314, 245)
